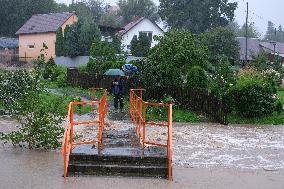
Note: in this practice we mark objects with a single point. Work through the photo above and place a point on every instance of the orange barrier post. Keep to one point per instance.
(138, 114)
(67, 144)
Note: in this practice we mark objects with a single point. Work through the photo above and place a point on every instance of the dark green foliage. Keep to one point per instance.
(221, 41)
(50, 70)
(252, 95)
(130, 9)
(88, 31)
(278, 106)
(14, 13)
(196, 15)
(222, 76)
(71, 42)
(103, 50)
(197, 78)
(140, 47)
(177, 52)
(59, 45)
(66, 31)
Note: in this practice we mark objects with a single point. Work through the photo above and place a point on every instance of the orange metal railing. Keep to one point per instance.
(68, 143)
(138, 114)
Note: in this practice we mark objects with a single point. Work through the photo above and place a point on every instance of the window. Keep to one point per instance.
(31, 46)
(149, 34)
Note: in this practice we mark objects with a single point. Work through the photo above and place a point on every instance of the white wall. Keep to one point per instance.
(144, 25)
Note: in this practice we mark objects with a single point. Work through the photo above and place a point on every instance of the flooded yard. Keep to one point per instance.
(204, 156)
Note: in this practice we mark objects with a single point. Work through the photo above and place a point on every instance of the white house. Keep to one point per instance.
(141, 25)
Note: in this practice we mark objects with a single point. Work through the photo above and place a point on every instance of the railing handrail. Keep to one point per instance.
(67, 143)
(138, 113)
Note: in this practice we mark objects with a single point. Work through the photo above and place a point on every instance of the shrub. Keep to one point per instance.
(252, 95)
(40, 119)
(49, 71)
(197, 78)
(278, 106)
(61, 78)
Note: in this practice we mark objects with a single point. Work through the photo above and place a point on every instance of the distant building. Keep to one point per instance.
(9, 46)
(41, 29)
(136, 27)
(255, 47)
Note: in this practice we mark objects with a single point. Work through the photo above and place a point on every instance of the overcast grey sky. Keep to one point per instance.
(260, 11)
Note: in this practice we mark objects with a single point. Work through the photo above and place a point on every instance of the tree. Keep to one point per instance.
(196, 15)
(221, 41)
(14, 13)
(138, 8)
(252, 31)
(59, 44)
(71, 43)
(66, 30)
(177, 52)
(270, 33)
(134, 45)
(87, 33)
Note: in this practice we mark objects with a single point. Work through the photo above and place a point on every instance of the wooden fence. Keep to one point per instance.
(197, 100)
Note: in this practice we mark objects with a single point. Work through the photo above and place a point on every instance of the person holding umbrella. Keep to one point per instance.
(118, 92)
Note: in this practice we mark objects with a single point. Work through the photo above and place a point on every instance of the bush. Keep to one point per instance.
(252, 95)
(103, 51)
(197, 78)
(49, 71)
(61, 79)
(40, 119)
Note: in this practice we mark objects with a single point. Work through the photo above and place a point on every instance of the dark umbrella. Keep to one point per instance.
(114, 72)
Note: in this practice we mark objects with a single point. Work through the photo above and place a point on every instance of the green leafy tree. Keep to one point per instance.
(169, 62)
(221, 41)
(14, 13)
(138, 8)
(196, 15)
(59, 45)
(197, 78)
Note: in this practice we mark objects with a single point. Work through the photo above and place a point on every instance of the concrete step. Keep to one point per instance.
(118, 160)
(117, 170)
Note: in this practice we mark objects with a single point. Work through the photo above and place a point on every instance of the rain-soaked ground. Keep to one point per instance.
(204, 156)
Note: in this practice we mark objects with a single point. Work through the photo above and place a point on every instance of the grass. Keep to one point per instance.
(65, 101)
(274, 119)
(179, 115)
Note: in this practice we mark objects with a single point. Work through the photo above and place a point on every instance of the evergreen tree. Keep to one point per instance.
(140, 47)
(66, 30)
(59, 45)
(71, 44)
(134, 45)
(88, 31)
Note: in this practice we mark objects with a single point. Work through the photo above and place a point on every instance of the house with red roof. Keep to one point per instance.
(136, 27)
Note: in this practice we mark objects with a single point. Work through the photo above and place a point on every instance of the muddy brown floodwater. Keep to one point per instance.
(205, 156)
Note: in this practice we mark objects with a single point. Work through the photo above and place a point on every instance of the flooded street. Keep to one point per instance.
(205, 156)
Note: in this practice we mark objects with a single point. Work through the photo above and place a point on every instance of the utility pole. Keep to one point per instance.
(247, 34)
